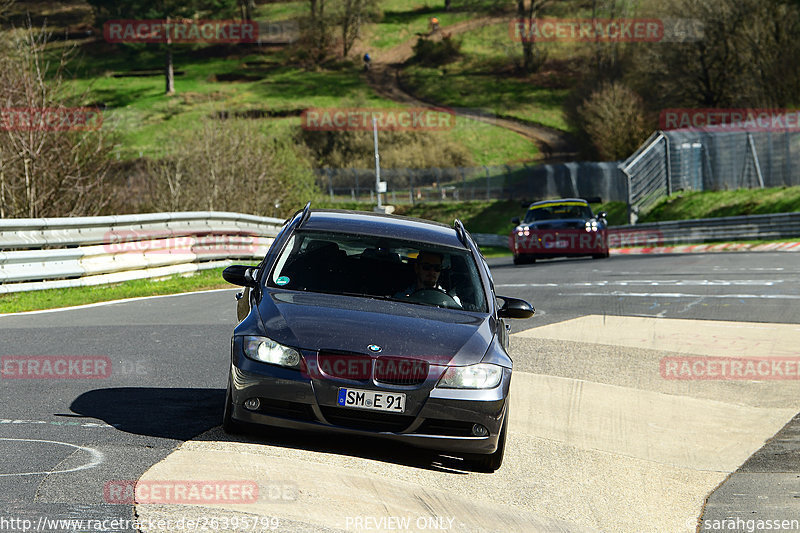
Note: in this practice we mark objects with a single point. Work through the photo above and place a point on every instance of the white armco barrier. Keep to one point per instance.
(43, 253)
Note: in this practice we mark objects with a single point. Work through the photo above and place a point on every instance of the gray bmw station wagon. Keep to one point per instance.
(376, 325)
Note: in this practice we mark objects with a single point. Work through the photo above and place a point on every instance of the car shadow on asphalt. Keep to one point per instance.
(171, 413)
(185, 414)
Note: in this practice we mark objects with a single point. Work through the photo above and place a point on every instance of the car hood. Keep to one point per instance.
(313, 321)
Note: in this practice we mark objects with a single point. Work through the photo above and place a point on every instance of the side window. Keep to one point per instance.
(284, 257)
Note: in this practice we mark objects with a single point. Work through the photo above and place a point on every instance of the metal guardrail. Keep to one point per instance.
(38, 254)
(706, 230)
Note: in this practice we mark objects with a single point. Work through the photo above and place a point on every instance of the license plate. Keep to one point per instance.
(557, 244)
(375, 400)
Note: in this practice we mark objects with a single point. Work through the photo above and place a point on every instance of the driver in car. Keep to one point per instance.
(427, 268)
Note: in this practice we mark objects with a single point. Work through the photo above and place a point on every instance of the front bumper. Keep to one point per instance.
(439, 419)
(558, 243)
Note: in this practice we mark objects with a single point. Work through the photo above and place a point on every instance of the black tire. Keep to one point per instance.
(229, 425)
(523, 259)
(600, 256)
(493, 461)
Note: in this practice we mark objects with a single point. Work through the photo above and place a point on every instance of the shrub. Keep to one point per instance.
(432, 53)
(398, 149)
(232, 165)
(614, 119)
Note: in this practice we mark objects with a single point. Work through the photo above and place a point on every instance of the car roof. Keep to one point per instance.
(382, 225)
(560, 201)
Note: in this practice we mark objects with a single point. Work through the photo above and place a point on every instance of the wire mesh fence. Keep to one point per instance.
(510, 182)
(691, 159)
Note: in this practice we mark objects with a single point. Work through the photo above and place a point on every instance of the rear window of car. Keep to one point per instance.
(558, 212)
(375, 267)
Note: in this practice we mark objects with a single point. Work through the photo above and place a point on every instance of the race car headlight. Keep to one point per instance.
(480, 376)
(268, 351)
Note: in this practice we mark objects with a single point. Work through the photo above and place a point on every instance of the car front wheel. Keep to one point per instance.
(491, 462)
(229, 425)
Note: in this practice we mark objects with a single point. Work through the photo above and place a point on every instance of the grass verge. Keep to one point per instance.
(688, 205)
(57, 298)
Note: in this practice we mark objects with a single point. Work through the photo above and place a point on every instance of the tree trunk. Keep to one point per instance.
(169, 73)
(247, 8)
(526, 17)
(447, 5)
(527, 40)
(2, 194)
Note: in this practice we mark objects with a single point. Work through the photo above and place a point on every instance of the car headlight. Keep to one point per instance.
(480, 376)
(268, 351)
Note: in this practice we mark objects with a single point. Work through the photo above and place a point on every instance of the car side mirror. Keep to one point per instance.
(602, 214)
(515, 308)
(240, 275)
(515, 221)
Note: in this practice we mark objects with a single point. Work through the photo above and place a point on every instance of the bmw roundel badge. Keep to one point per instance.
(374, 348)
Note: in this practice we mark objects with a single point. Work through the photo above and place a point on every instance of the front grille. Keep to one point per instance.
(366, 420)
(400, 371)
(449, 428)
(358, 367)
(284, 409)
(345, 366)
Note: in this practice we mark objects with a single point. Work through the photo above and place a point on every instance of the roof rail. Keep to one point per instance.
(306, 214)
(461, 232)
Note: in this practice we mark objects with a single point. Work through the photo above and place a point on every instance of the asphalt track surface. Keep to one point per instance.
(590, 353)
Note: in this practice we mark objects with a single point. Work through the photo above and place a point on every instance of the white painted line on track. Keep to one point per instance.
(656, 283)
(685, 295)
(55, 423)
(112, 302)
(97, 458)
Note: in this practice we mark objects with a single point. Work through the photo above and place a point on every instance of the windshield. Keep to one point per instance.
(558, 212)
(377, 267)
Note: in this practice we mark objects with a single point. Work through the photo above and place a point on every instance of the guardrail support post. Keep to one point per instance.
(667, 163)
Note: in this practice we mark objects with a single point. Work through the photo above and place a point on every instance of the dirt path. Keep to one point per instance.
(384, 78)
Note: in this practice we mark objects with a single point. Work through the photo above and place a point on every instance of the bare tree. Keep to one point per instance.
(318, 30)
(527, 13)
(231, 166)
(247, 9)
(4, 7)
(45, 170)
(748, 57)
(351, 18)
